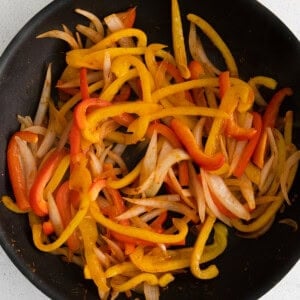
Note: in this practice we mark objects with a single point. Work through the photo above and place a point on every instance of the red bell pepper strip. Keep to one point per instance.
(15, 171)
(232, 129)
(48, 227)
(63, 202)
(36, 198)
(84, 87)
(224, 83)
(269, 120)
(250, 147)
(75, 142)
(187, 139)
(157, 224)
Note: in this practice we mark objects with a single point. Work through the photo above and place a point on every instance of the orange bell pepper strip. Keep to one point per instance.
(250, 147)
(81, 109)
(175, 73)
(84, 87)
(16, 174)
(157, 224)
(269, 120)
(48, 227)
(187, 139)
(196, 69)
(224, 83)
(232, 129)
(36, 198)
(128, 17)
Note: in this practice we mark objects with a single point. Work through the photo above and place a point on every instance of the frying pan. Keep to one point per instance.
(261, 44)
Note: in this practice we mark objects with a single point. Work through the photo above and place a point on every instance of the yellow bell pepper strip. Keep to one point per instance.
(16, 175)
(178, 41)
(180, 258)
(261, 80)
(12, 206)
(95, 117)
(146, 79)
(66, 107)
(120, 269)
(94, 60)
(84, 88)
(151, 279)
(141, 233)
(127, 179)
(37, 202)
(36, 226)
(269, 119)
(262, 220)
(188, 140)
(228, 104)
(110, 92)
(183, 86)
(211, 271)
(217, 40)
(89, 234)
(58, 175)
(250, 147)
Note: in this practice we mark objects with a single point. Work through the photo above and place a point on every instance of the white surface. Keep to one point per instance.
(13, 15)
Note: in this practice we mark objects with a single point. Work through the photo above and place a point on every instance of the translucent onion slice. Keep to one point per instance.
(247, 191)
(151, 291)
(292, 161)
(228, 200)
(44, 99)
(54, 215)
(28, 162)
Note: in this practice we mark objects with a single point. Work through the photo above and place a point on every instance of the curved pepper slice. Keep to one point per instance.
(16, 174)
(187, 139)
(36, 199)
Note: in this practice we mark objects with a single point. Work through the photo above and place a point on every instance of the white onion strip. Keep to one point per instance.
(292, 161)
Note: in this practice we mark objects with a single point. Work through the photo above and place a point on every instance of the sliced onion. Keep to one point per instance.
(54, 215)
(292, 161)
(169, 205)
(151, 291)
(115, 249)
(228, 200)
(24, 121)
(197, 192)
(131, 212)
(150, 215)
(179, 190)
(247, 191)
(198, 131)
(290, 222)
(150, 158)
(167, 161)
(47, 142)
(44, 99)
(209, 201)
(103, 259)
(93, 18)
(28, 162)
(114, 24)
(197, 51)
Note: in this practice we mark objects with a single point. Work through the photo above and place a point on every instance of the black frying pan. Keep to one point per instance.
(261, 44)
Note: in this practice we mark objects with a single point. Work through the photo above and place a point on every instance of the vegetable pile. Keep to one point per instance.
(145, 147)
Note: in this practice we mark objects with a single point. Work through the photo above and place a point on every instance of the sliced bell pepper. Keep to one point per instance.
(84, 87)
(269, 119)
(36, 198)
(188, 140)
(250, 147)
(224, 82)
(232, 129)
(15, 171)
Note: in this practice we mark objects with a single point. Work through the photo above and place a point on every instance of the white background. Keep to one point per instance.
(13, 15)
